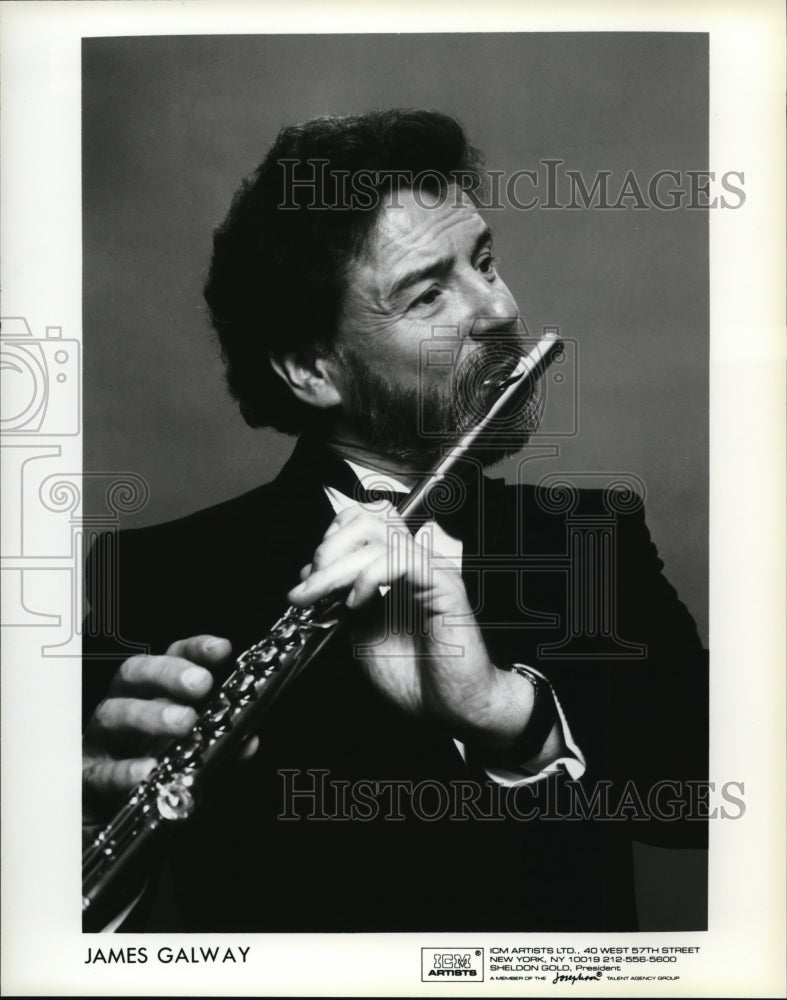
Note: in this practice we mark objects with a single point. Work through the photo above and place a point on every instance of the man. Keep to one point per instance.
(356, 243)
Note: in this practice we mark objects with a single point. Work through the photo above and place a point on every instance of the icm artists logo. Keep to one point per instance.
(441, 964)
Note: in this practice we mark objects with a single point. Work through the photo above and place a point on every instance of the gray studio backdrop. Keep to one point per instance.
(170, 126)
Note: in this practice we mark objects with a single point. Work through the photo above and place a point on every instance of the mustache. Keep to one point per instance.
(416, 422)
(477, 383)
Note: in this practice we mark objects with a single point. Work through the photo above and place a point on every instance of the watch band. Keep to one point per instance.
(542, 718)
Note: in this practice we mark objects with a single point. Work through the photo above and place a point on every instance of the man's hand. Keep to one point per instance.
(439, 667)
(151, 700)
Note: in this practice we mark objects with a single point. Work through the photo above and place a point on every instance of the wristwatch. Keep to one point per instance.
(542, 718)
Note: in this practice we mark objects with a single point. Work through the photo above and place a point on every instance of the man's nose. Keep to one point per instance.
(493, 312)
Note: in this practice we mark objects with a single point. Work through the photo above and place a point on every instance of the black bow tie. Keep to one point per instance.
(454, 507)
(448, 508)
(362, 495)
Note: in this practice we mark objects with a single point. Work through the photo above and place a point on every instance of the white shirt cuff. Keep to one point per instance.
(571, 761)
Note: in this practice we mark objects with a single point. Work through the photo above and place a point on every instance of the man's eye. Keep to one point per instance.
(488, 264)
(427, 298)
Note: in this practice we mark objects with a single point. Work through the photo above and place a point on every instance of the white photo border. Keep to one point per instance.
(742, 952)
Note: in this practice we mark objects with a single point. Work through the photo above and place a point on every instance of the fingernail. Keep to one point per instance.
(193, 678)
(298, 590)
(215, 643)
(351, 598)
(140, 769)
(175, 715)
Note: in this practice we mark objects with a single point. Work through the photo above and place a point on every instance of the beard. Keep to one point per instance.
(418, 423)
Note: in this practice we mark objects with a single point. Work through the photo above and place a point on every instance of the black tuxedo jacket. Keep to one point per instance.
(564, 583)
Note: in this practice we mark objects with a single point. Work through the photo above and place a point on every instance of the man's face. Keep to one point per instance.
(426, 274)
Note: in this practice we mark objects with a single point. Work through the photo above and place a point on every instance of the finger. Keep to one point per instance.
(344, 517)
(161, 676)
(112, 777)
(362, 529)
(403, 558)
(380, 509)
(383, 571)
(206, 650)
(338, 575)
(121, 718)
(333, 527)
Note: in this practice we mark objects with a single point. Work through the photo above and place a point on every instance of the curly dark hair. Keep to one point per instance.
(276, 278)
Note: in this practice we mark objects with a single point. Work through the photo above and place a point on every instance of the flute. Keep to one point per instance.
(180, 782)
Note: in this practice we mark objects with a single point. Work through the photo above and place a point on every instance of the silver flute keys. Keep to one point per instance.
(168, 791)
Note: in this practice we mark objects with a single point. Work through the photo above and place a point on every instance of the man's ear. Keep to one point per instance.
(308, 376)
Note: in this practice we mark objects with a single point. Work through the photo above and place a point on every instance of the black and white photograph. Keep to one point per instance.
(599, 243)
(376, 472)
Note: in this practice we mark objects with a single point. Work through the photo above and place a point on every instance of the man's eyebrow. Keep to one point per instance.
(436, 268)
